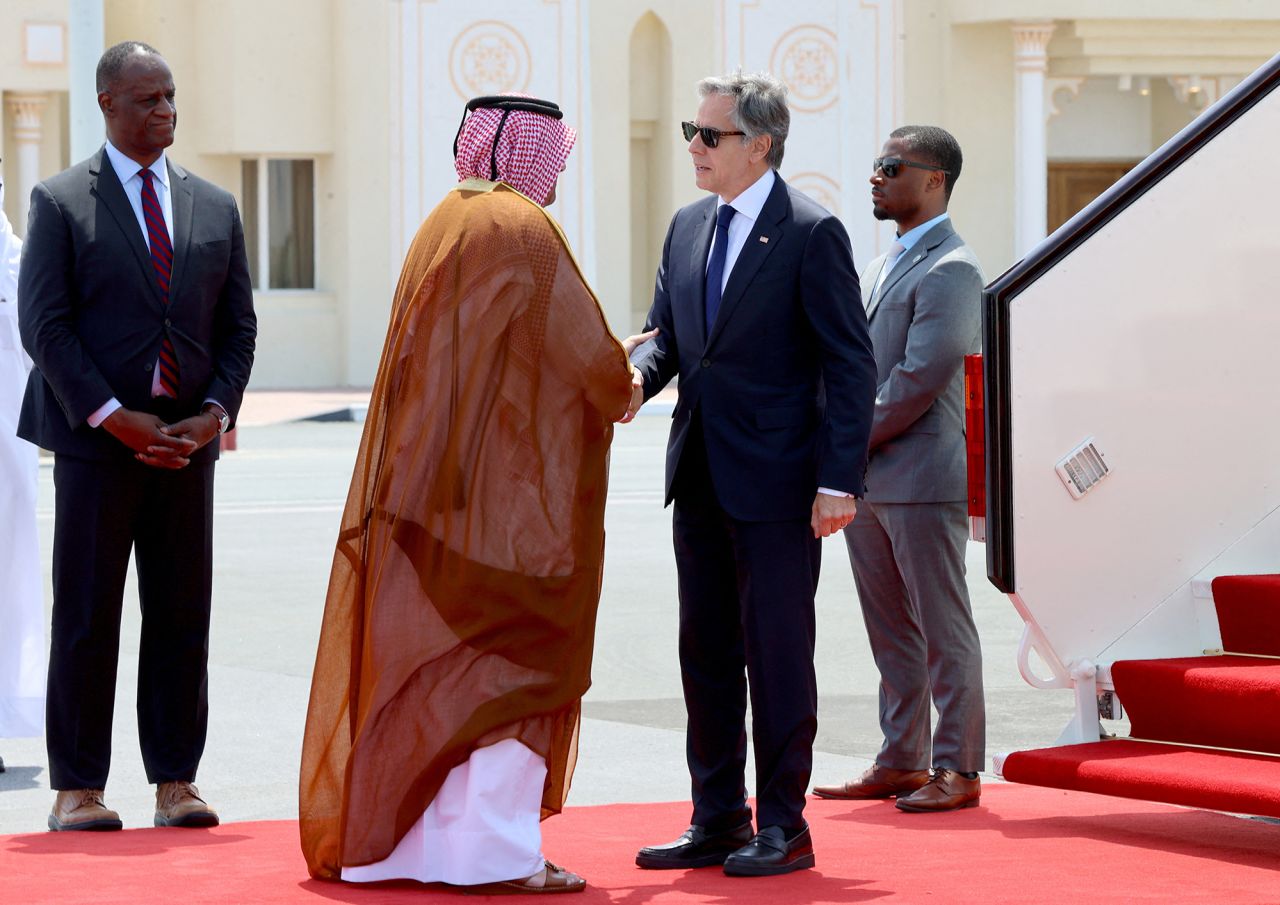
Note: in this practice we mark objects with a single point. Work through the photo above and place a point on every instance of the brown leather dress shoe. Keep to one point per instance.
(82, 809)
(876, 782)
(549, 880)
(179, 804)
(947, 790)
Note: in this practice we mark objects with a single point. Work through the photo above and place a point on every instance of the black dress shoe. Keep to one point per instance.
(695, 848)
(770, 852)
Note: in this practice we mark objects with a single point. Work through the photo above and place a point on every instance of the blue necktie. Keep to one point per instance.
(715, 267)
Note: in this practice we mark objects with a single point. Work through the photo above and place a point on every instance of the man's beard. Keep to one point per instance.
(880, 213)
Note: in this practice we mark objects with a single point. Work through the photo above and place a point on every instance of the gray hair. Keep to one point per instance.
(759, 107)
(113, 62)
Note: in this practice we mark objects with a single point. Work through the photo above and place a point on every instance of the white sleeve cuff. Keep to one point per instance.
(104, 412)
(829, 492)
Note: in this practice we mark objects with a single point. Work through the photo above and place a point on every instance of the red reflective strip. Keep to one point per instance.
(975, 436)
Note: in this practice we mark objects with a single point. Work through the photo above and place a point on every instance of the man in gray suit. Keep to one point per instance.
(907, 549)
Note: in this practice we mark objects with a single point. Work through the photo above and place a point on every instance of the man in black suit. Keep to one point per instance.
(136, 306)
(759, 312)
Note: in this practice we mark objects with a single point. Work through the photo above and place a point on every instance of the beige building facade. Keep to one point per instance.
(332, 120)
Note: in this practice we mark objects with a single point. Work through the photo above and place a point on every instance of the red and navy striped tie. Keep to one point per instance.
(162, 260)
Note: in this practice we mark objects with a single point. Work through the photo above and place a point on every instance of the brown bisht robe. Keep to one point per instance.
(462, 602)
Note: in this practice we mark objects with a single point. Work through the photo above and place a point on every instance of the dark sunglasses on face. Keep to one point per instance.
(710, 137)
(892, 166)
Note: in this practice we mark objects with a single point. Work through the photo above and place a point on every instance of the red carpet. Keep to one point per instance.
(1223, 702)
(1023, 845)
(1195, 777)
(1248, 613)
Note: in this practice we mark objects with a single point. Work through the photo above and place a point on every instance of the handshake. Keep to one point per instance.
(629, 345)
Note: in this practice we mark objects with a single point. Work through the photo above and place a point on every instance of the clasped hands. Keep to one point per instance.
(158, 444)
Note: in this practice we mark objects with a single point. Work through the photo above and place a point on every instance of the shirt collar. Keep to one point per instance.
(912, 236)
(752, 200)
(127, 168)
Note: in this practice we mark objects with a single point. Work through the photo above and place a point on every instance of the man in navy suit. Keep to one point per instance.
(137, 308)
(760, 314)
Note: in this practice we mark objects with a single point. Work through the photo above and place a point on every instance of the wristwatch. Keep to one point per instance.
(220, 415)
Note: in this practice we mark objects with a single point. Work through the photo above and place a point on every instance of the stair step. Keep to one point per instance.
(1194, 777)
(1221, 702)
(1248, 613)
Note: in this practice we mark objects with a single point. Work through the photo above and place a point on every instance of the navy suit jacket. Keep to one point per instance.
(92, 316)
(785, 383)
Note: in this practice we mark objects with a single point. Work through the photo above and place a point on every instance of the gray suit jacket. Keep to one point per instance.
(926, 318)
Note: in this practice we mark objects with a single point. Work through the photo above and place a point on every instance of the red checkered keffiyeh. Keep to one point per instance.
(531, 150)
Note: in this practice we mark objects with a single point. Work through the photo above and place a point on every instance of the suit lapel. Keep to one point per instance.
(703, 232)
(181, 198)
(104, 184)
(874, 289)
(759, 245)
(910, 258)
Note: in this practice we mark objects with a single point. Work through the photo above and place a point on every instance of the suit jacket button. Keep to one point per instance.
(147, 366)
(706, 362)
(166, 321)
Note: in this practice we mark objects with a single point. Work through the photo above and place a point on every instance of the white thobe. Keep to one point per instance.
(22, 645)
(482, 827)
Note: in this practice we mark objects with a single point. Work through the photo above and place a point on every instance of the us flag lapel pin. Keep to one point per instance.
(764, 240)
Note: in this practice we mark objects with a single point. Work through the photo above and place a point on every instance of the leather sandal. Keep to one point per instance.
(548, 881)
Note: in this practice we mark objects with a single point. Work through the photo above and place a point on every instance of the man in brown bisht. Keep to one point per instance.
(460, 619)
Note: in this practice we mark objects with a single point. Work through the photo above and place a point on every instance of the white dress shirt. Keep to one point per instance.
(128, 170)
(748, 206)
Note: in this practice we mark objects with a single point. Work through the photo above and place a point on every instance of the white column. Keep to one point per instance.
(85, 37)
(26, 110)
(1031, 171)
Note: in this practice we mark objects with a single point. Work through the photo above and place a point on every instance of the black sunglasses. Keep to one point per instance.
(892, 166)
(710, 137)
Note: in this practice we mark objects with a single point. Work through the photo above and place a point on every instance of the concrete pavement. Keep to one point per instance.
(279, 498)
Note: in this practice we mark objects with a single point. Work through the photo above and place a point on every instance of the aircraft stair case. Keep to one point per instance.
(1130, 487)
